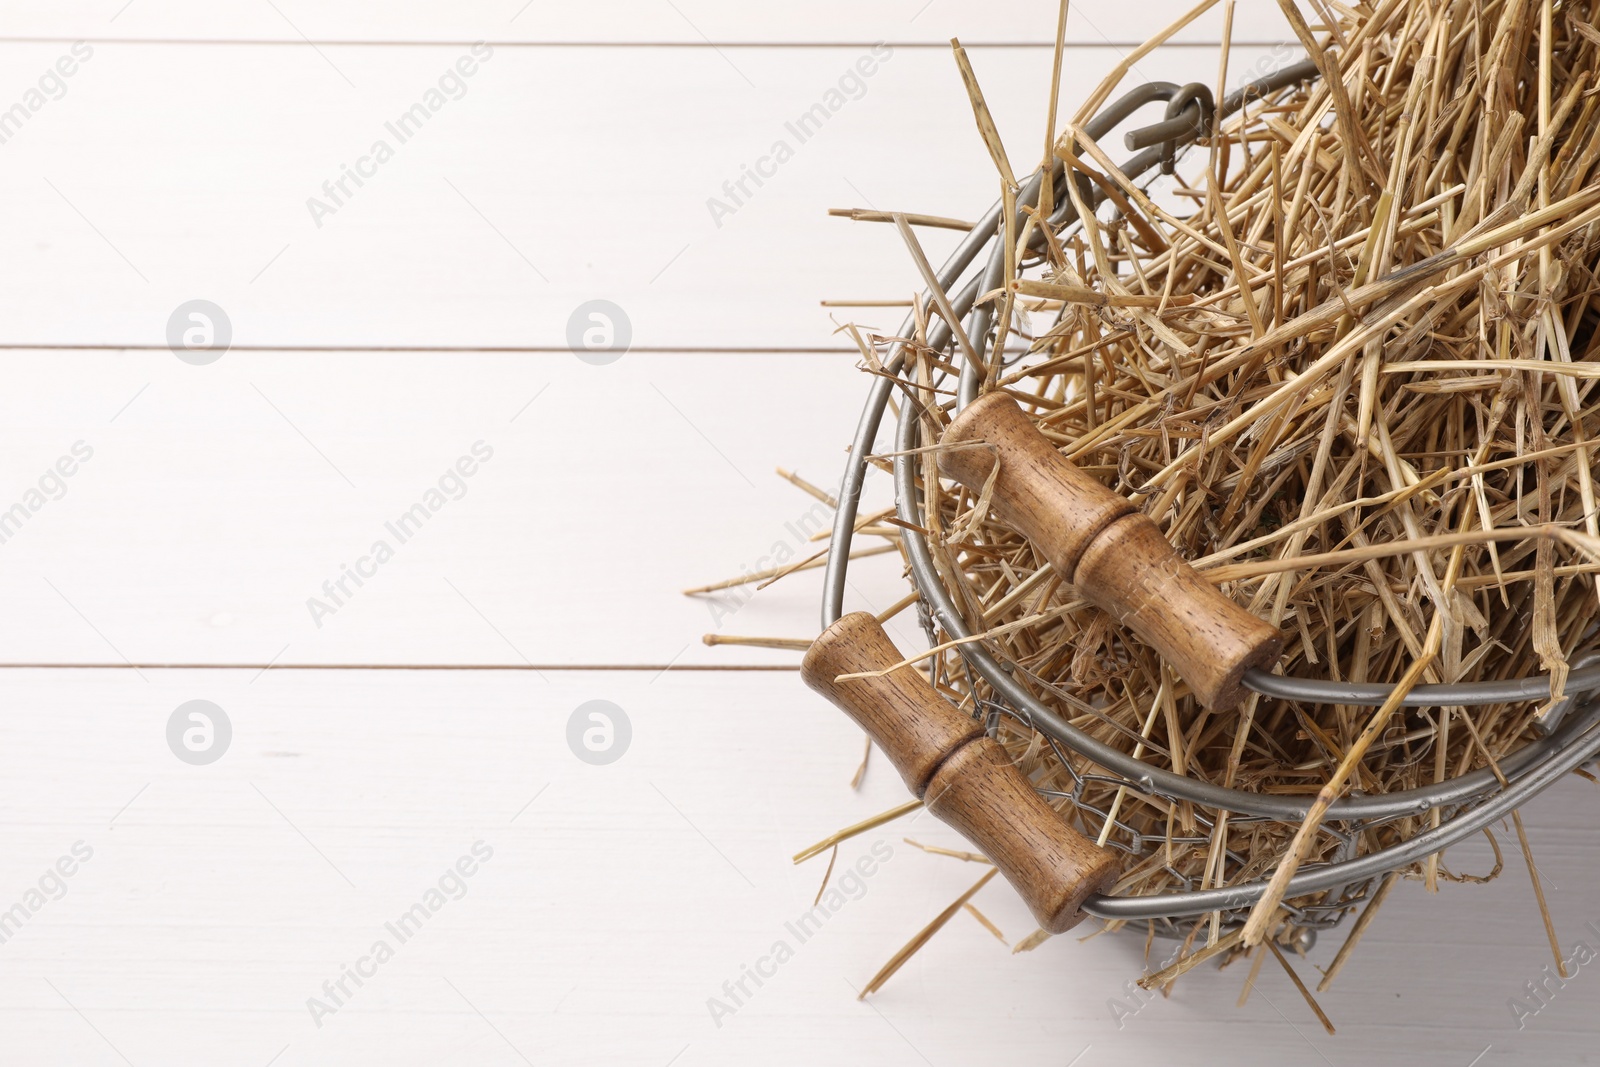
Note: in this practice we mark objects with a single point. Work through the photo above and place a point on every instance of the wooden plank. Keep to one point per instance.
(690, 22)
(219, 899)
(219, 499)
(558, 177)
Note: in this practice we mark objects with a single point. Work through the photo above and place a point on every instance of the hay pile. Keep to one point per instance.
(1346, 361)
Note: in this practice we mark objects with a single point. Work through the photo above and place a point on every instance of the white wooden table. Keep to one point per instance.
(424, 713)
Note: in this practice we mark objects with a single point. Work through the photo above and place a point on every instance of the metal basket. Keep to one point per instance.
(1466, 804)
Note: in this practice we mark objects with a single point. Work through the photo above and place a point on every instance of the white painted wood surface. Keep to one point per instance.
(428, 314)
(203, 205)
(205, 521)
(691, 22)
(556, 177)
(620, 900)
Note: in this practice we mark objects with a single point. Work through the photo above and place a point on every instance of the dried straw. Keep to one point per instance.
(1347, 362)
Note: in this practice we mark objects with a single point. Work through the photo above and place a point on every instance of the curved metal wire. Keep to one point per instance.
(1373, 864)
(1459, 790)
(1573, 738)
(1458, 694)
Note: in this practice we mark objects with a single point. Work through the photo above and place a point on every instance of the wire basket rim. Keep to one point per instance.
(1528, 770)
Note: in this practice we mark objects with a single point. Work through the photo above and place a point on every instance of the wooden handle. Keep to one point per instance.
(1102, 544)
(963, 776)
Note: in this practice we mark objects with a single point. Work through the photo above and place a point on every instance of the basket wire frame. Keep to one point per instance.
(1467, 803)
